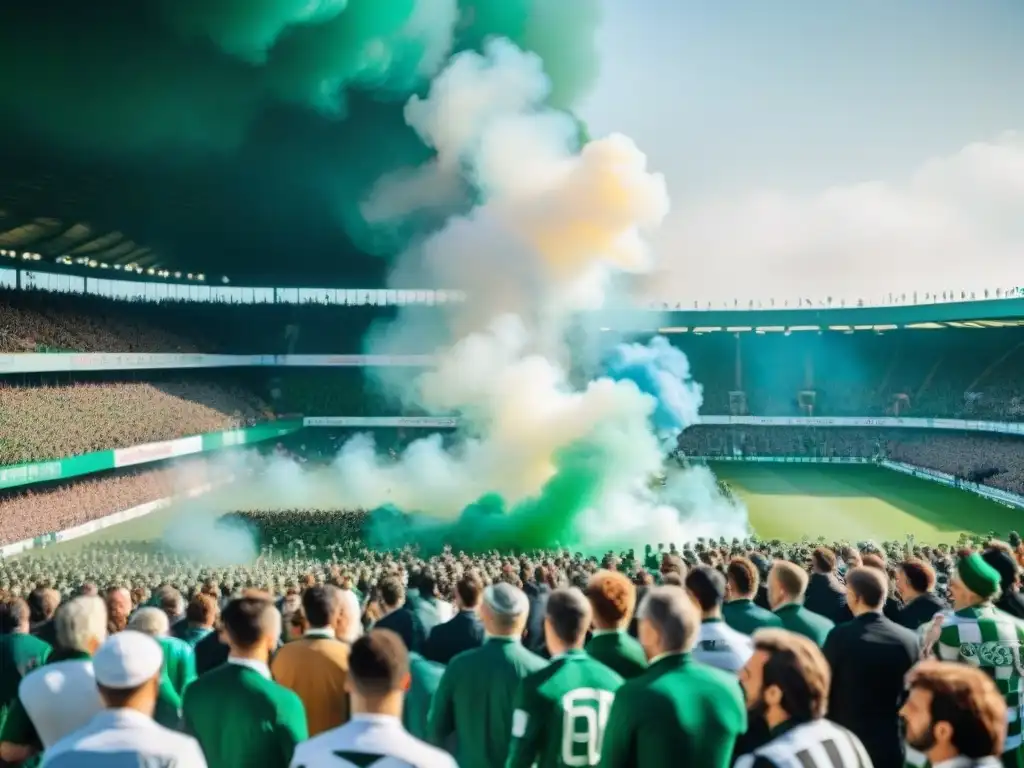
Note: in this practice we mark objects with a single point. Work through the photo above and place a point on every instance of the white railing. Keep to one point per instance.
(164, 290)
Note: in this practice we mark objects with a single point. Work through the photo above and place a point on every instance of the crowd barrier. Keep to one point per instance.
(785, 459)
(16, 475)
(78, 531)
(60, 469)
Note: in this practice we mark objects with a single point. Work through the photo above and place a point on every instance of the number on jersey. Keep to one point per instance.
(584, 716)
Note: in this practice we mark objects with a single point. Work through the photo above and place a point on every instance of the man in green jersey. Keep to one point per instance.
(179, 658)
(475, 699)
(613, 598)
(679, 712)
(978, 634)
(740, 611)
(20, 652)
(239, 715)
(561, 710)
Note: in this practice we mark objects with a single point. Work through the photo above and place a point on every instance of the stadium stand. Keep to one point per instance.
(48, 420)
(946, 372)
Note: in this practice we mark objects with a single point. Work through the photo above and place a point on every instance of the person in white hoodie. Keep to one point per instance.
(718, 644)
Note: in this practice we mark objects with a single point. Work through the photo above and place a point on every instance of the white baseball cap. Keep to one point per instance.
(127, 660)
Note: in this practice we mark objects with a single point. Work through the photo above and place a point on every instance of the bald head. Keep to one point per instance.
(668, 621)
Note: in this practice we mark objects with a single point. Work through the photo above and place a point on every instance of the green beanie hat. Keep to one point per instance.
(977, 575)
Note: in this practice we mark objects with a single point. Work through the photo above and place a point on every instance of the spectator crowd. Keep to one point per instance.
(746, 653)
(53, 421)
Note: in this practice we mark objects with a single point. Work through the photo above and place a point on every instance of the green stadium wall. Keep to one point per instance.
(16, 475)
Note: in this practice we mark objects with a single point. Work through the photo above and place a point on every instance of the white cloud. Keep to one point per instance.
(957, 223)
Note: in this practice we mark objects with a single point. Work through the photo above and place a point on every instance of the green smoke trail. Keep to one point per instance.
(550, 519)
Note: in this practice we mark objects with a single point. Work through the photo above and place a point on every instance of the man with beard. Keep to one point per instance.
(786, 683)
(954, 716)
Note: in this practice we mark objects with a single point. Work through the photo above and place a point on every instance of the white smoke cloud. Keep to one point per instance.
(955, 224)
(553, 228)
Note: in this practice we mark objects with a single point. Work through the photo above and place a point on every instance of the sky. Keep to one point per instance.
(818, 148)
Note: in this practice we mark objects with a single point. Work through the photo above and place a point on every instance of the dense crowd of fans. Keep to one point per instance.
(41, 510)
(65, 419)
(325, 653)
(952, 372)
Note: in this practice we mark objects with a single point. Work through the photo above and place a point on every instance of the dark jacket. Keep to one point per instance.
(1011, 602)
(463, 632)
(407, 625)
(870, 656)
(920, 610)
(533, 638)
(210, 653)
(826, 596)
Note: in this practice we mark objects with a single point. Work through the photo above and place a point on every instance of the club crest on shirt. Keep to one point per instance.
(993, 654)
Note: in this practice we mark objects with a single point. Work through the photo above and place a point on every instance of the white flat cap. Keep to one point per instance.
(127, 660)
(506, 600)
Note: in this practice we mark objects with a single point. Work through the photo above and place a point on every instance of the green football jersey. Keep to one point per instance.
(990, 640)
(560, 713)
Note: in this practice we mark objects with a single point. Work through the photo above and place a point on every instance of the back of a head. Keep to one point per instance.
(428, 584)
(969, 701)
(470, 588)
(170, 601)
(378, 664)
(81, 623)
(673, 615)
(798, 668)
(392, 591)
(874, 560)
(150, 621)
(707, 586)
(15, 614)
(790, 578)
(201, 610)
(920, 574)
(568, 615)
(870, 585)
(321, 605)
(506, 607)
(612, 597)
(823, 559)
(248, 620)
(743, 576)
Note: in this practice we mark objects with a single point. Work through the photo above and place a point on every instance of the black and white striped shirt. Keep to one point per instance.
(816, 744)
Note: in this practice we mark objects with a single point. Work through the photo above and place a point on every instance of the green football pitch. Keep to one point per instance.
(785, 501)
(859, 503)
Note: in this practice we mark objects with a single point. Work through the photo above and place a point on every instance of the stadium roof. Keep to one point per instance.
(979, 314)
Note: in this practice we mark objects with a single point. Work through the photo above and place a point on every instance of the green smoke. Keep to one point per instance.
(312, 90)
(548, 520)
(198, 74)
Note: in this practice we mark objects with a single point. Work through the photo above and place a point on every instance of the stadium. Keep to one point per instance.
(346, 403)
(860, 423)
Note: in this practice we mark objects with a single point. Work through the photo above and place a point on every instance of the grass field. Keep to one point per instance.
(856, 503)
(785, 501)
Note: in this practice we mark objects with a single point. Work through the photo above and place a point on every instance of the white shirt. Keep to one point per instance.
(60, 698)
(445, 610)
(719, 645)
(124, 738)
(255, 666)
(380, 736)
(354, 611)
